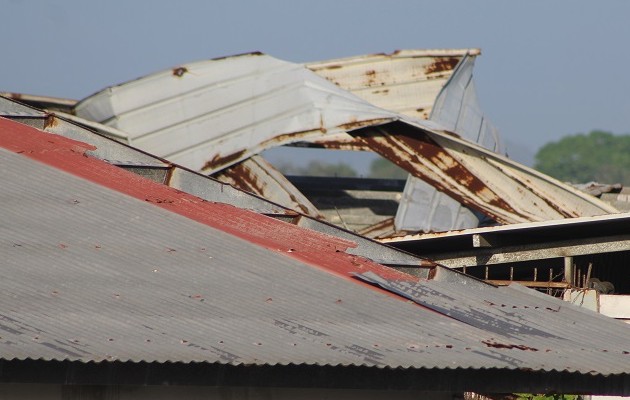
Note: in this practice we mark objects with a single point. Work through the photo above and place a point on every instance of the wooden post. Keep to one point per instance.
(569, 276)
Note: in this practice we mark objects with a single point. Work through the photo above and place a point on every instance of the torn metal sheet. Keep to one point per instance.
(219, 112)
(409, 82)
(422, 207)
(478, 178)
(405, 81)
(226, 110)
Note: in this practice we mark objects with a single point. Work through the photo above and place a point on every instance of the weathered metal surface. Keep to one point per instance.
(223, 111)
(409, 82)
(226, 110)
(257, 176)
(406, 81)
(102, 265)
(196, 184)
(422, 207)
(480, 179)
(526, 325)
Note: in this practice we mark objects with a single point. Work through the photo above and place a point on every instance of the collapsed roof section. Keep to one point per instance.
(212, 114)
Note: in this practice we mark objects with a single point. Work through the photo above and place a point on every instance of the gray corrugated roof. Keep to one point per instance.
(91, 274)
(190, 182)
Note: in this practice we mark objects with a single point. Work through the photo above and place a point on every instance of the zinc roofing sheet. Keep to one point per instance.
(92, 273)
(212, 114)
(405, 81)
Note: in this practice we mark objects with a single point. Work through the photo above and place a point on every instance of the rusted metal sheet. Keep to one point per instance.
(224, 111)
(423, 207)
(257, 176)
(478, 178)
(405, 81)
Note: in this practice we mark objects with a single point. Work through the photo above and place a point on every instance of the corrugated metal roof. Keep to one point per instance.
(225, 110)
(190, 182)
(101, 264)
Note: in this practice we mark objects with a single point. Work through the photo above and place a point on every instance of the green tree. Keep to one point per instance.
(318, 168)
(383, 168)
(598, 156)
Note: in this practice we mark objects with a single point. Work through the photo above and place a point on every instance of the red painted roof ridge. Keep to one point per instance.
(313, 248)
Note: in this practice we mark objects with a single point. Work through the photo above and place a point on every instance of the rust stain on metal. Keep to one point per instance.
(441, 64)
(293, 137)
(352, 125)
(301, 206)
(14, 96)
(530, 185)
(169, 175)
(497, 345)
(322, 125)
(372, 78)
(340, 145)
(222, 161)
(51, 121)
(243, 178)
(377, 228)
(285, 138)
(336, 66)
(179, 71)
(397, 150)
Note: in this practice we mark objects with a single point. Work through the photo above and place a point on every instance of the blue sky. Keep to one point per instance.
(547, 69)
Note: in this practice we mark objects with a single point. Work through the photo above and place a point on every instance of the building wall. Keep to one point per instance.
(83, 392)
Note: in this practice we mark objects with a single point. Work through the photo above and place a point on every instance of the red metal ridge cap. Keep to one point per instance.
(310, 247)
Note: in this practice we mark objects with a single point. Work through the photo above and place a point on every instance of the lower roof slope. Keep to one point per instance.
(100, 264)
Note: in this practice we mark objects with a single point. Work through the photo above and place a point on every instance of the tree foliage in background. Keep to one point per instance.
(383, 168)
(318, 168)
(598, 156)
(379, 168)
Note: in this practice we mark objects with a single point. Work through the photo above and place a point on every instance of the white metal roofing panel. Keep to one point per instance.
(274, 102)
(405, 81)
(222, 107)
(422, 207)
